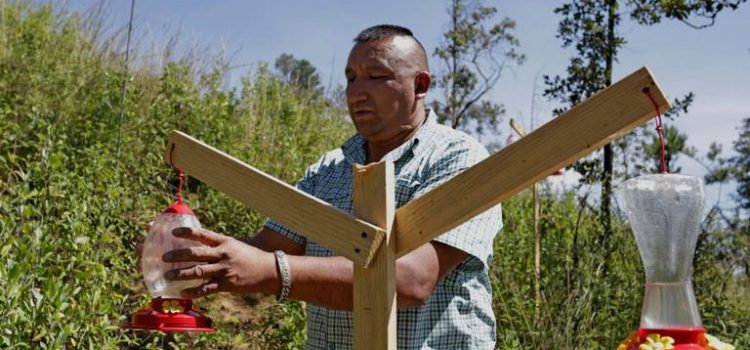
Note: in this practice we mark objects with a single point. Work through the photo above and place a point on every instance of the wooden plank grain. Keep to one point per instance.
(375, 287)
(309, 216)
(574, 134)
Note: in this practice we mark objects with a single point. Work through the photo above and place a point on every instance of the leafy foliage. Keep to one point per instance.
(590, 26)
(71, 210)
(474, 52)
(741, 166)
(651, 12)
(674, 143)
(298, 72)
(583, 307)
(586, 27)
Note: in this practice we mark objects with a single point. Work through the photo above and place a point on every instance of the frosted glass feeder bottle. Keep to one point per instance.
(167, 311)
(665, 213)
(159, 241)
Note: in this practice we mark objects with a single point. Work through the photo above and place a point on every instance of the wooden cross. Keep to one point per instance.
(377, 234)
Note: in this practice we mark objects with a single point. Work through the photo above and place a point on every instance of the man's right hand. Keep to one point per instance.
(232, 265)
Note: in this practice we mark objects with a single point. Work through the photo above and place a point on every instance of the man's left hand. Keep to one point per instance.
(230, 265)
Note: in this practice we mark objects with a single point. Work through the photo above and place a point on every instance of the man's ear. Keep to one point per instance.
(421, 84)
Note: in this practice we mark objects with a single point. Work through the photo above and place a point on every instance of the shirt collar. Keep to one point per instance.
(354, 147)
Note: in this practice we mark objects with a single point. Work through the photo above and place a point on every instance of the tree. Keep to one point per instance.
(590, 26)
(740, 167)
(640, 150)
(736, 168)
(298, 72)
(675, 143)
(474, 52)
(650, 12)
(718, 172)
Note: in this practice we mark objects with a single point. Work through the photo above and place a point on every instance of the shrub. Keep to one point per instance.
(78, 183)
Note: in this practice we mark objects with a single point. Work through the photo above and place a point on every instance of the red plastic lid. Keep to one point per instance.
(685, 338)
(170, 315)
(179, 207)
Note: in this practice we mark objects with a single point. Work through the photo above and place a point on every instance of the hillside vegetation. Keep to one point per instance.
(82, 173)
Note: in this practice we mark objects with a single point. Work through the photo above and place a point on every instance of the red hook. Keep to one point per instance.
(181, 174)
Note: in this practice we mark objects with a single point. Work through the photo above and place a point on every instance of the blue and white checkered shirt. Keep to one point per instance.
(458, 314)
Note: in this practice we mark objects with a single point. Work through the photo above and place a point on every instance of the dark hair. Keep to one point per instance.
(384, 31)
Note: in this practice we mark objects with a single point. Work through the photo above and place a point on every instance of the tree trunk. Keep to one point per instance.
(455, 9)
(606, 212)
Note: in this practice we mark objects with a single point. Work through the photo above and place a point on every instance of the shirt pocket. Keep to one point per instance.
(339, 196)
(405, 189)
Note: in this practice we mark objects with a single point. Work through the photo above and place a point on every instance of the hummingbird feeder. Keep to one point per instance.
(168, 311)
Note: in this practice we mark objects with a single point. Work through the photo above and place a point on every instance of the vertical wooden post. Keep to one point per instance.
(537, 236)
(375, 287)
(537, 256)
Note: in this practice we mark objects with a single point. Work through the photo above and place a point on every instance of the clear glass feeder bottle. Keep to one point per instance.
(665, 212)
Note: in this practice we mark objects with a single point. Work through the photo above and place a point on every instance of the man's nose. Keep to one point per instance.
(356, 92)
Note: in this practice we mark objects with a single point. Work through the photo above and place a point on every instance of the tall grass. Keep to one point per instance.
(72, 208)
(592, 288)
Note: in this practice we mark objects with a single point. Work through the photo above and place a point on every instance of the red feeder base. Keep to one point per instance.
(685, 338)
(170, 315)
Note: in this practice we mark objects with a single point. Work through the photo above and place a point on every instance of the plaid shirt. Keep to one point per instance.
(458, 314)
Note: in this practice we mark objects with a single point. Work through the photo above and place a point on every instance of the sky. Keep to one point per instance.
(713, 63)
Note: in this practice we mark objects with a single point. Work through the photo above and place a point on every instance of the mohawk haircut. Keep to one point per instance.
(384, 31)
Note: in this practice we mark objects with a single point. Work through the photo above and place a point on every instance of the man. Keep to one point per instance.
(444, 293)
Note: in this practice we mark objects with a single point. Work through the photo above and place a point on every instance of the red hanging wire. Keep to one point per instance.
(659, 124)
(181, 174)
(179, 189)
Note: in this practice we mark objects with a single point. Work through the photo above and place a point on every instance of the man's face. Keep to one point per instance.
(380, 88)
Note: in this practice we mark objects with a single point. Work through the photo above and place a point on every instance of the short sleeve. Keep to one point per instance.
(307, 185)
(475, 236)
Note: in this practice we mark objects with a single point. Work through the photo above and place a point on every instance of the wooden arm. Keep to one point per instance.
(574, 134)
(309, 216)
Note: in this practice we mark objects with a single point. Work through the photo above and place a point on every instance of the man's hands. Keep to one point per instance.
(230, 265)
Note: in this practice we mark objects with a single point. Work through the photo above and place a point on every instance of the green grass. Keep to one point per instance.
(72, 207)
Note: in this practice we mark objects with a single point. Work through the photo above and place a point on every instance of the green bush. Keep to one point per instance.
(592, 287)
(73, 203)
(78, 183)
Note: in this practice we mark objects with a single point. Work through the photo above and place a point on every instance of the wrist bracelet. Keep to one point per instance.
(286, 277)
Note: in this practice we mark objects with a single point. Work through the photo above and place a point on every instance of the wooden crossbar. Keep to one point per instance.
(574, 134)
(309, 216)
